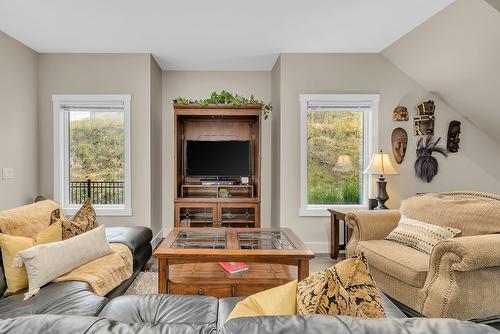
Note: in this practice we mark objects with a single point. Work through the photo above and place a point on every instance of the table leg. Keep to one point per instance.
(162, 276)
(303, 269)
(334, 236)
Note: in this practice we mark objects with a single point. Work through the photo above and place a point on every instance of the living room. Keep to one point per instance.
(274, 81)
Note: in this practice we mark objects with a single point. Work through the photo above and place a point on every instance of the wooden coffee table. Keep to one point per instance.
(187, 260)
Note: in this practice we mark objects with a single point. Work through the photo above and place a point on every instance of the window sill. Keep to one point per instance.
(103, 211)
(322, 210)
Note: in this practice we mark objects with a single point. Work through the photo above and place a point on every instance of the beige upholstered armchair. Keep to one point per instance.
(461, 277)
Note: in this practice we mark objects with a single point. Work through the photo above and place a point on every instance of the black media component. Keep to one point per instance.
(218, 158)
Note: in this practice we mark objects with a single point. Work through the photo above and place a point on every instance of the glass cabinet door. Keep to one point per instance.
(239, 215)
(195, 215)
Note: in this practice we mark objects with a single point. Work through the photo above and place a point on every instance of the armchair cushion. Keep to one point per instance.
(396, 260)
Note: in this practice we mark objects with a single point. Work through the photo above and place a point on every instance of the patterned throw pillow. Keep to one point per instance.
(344, 289)
(311, 294)
(419, 235)
(84, 220)
(352, 290)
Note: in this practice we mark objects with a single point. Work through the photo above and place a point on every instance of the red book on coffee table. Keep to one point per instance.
(234, 267)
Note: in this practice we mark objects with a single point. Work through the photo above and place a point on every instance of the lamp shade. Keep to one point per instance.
(381, 165)
(344, 164)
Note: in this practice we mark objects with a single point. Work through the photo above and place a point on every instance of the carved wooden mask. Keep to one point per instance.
(424, 120)
(400, 113)
(453, 137)
(399, 139)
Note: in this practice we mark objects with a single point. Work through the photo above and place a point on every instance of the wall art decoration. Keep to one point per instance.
(424, 120)
(426, 166)
(399, 140)
(453, 141)
(400, 113)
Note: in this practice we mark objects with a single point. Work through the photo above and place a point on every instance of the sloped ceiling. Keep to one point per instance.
(456, 55)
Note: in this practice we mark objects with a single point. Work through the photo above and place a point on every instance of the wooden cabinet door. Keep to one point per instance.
(195, 214)
(239, 215)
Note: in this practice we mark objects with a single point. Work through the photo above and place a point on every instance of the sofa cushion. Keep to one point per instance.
(16, 276)
(471, 212)
(56, 324)
(396, 260)
(350, 325)
(75, 298)
(28, 220)
(199, 312)
(419, 235)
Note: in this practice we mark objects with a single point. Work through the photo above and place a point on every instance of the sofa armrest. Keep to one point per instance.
(468, 253)
(370, 225)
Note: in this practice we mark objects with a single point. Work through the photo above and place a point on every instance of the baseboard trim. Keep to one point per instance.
(157, 239)
(318, 247)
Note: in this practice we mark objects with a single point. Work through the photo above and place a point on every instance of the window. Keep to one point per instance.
(338, 136)
(92, 152)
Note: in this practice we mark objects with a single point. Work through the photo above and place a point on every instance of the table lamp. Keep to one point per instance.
(381, 165)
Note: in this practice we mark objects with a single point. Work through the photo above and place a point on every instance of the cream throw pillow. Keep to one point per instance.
(16, 277)
(46, 262)
(420, 235)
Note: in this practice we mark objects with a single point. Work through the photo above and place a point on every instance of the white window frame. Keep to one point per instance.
(121, 102)
(370, 144)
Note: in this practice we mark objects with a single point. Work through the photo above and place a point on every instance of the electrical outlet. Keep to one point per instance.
(8, 173)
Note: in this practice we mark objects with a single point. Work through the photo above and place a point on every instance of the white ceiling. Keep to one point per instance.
(216, 34)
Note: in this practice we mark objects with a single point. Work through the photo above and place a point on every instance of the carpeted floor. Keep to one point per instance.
(147, 281)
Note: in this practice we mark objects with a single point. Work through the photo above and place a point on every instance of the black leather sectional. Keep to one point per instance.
(176, 314)
(72, 307)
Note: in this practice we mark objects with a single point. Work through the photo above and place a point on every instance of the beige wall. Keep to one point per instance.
(456, 53)
(101, 74)
(276, 142)
(18, 122)
(156, 147)
(370, 73)
(196, 85)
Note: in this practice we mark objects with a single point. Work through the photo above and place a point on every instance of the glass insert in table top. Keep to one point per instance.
(200, 240)
(264, 240)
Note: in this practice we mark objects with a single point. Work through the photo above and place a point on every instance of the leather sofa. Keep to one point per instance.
(200, 314)
(77, 298)
(460, 279)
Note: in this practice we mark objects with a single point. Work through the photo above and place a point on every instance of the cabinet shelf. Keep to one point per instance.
(213, 191)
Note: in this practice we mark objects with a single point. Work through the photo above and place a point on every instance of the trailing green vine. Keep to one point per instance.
(225, 97)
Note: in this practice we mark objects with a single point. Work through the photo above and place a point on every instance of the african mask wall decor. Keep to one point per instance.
(399, 140)
(424, 120)
(453, 136)
(426, 166)
(400, 113)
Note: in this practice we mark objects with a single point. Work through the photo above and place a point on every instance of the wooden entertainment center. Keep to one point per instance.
(217, 200)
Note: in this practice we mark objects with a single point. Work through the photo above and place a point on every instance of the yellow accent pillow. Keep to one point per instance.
(16, 277)
(280, 300)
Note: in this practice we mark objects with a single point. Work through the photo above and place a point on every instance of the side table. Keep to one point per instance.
(337, 215)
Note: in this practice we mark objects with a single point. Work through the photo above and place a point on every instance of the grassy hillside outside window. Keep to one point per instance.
(334, 157)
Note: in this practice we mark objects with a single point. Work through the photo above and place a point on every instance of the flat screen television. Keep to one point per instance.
(218, 158)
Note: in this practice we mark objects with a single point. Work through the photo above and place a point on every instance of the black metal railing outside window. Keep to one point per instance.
(101, 192)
